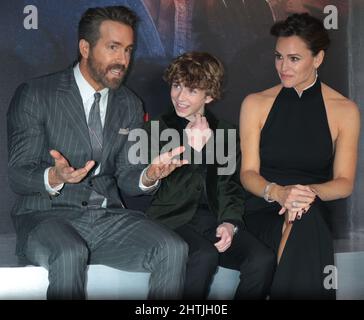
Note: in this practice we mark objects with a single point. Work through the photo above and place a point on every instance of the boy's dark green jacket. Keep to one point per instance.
(179, 194)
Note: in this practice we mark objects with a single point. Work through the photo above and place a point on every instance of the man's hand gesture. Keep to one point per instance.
(62, 172)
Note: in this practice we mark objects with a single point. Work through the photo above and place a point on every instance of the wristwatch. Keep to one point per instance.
(236, 229)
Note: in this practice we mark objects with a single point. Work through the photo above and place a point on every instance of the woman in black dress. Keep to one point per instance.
(299, 144)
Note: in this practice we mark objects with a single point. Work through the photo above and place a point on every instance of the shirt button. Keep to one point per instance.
(84, 203)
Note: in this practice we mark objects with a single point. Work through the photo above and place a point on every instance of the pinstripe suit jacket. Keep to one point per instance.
(47, 113)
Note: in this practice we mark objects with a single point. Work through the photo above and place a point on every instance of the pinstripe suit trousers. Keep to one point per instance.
(127, 241)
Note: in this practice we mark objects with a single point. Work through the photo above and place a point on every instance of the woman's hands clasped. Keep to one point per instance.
(295, 200)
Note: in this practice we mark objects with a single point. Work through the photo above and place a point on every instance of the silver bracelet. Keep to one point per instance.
(266, 192)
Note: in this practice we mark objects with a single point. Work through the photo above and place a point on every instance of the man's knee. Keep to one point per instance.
(70, 253)
(174, 244)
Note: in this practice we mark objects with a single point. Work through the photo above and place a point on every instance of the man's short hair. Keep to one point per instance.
(89, 25)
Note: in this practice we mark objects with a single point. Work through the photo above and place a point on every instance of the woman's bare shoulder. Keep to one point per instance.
(261, 99)
(338, 103)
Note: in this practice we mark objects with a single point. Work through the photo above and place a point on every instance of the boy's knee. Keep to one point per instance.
(264, 260)
(210, 256)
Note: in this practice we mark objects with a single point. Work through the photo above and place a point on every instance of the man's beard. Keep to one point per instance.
(100, 75)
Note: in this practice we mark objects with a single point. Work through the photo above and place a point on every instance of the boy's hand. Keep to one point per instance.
(162, 166)
(198, 132)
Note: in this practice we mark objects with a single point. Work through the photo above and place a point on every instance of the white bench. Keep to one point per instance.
(31, 282)
(103, 282)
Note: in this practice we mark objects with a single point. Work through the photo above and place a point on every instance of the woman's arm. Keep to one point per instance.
(252, 117)
(346, 153)
(250, 126)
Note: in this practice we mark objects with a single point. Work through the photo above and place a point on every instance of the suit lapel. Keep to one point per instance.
(170, 119)
(70, 101)
(213, 124)
(112, 124)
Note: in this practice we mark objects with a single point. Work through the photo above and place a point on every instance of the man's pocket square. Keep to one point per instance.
(124, 131)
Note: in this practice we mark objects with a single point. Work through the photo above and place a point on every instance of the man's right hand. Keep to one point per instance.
(62, 172)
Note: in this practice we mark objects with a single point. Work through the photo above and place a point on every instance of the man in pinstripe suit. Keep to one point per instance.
(70, 212)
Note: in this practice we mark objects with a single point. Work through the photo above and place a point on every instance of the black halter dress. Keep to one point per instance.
(296, 148)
